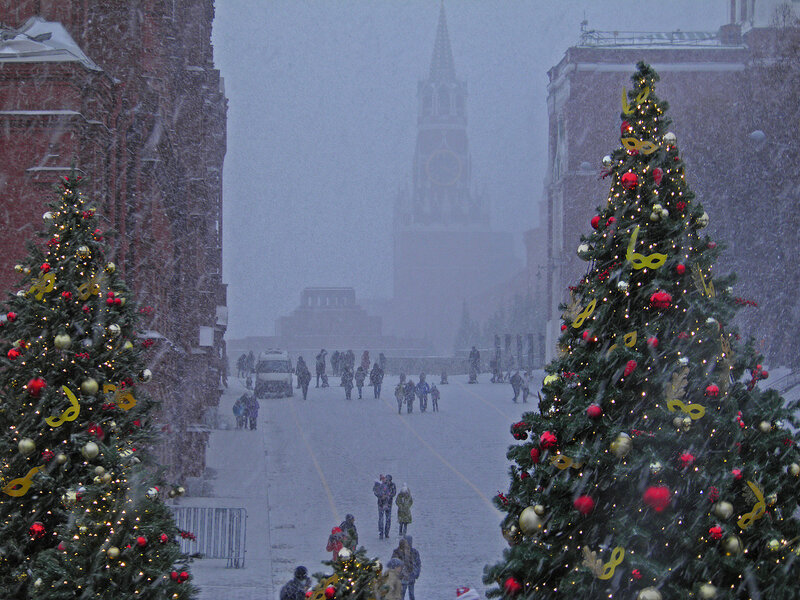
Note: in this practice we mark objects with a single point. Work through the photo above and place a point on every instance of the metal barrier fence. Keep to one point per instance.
(787, 382)
(220, 532)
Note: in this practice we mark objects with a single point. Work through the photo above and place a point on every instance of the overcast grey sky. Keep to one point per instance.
(322, 124)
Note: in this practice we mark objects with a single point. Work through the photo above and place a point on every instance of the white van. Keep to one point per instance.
(274, 374)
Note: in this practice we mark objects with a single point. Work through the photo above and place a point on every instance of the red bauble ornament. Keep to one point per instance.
(712, 245)
(715, 532)
(512, 586)
(109, 301)
(308, 594)
(594, 411)
(584, 504)
(595, 221)
(35, 386)
(11, 316)
(524, 475)
(657, 497)
(629, 180)
(610, 222)
(37, 530)
(330, 592)
(586, 335)
(661, 299)
(764, 374)
(737, 473)
(61, 546)
(118, 301)
(687, 459)
(66, 295)
(174, 576)
(184, 576)
(547, 440)
(712, 391)
(563, 328)
(141, 541)
(636, 574)
(13, 354)
(629, 368)
(652, 342)
(680, 269)
(657, 175)
(625, 127)
(535, 455)
(680, 205)
(163, 538)
(44, 268)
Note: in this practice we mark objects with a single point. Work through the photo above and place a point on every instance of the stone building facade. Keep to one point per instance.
(127, 94)
(729, 106)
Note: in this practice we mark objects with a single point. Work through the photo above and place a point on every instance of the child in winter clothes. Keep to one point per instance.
(335, 542)
(404, 502)
(435, 398)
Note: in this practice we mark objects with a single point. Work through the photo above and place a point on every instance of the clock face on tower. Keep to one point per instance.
(444, 167)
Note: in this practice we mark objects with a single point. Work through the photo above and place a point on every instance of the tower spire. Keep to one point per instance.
(442, 66)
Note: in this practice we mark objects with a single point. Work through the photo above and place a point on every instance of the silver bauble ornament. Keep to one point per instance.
(607, 160)
(683, 361)
(622, 286)
(86, 343)
(583, 251)
(89, 386)
(345, 554)
(621, 446)
(765, 426)
(26, 446)
(656, 468)
(145, 376)
(152, 493)
(111, 267)
(114, 329)
(794, 469)
(48, 217)
(529, 522)
(83, 251)
(670, 138)
(723, 509)
(61, 458)
(707, 591)
(702, 220)
(732, 545)
(99, 471)
(90, 450)
(650, 593)
(774, 545)
(112, 552)
(539, 510)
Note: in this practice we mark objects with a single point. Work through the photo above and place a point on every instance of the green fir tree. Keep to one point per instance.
(80, 509)
(656, 467)
(355, 577)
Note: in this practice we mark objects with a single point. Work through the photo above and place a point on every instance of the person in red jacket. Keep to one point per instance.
(335, 542)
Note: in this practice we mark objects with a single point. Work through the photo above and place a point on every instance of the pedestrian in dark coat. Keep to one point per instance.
(320, 365)
(526, 386)
(348, 527)
(422, 391)
(365, 362)
(409, 390)
(361, 375)
(347, 381)
(295, 589)
(384, 490)
(405, 554)
(376, 379)
(404, 502)
(382, 360)
(516, 384)
(335, 362)
(435, 398)
(251, 407)
(238, 411)
(303, 376)
(399, 395)
(416, 567)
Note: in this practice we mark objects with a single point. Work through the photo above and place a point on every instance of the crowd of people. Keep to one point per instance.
(406, 391)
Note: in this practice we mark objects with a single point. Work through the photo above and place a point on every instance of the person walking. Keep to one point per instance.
(399, 395)
(347, 381)
(335, 363)
(348, 527)
(303, 376)
(391, 587)
(416, 567)
(295, 589)
(376, 379)
(409, 389)
(423, 389)
(405, 554)
(361, 375)
(251, 407)
(516, 384)
(435, 398)
(474, 364)
(238, 411)
(335, 542)
(384, 490)
(404, 502)
(365, 362)
(320, 365)
(382, 361)
(526, 386)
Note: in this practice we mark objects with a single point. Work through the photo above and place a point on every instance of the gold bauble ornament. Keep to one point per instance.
(539, 510)
(621, 446)
(650, 593)
(794, 469)
(83, 251)
(99, 471)
(90, 450)
(111, 267)
(152, 493)
(774, 545)
(707, 591)
(550, 379)
(89, 386)
(112, 552)
(26, 446)
(678, 422)
(18, 268)
(732, 545)
(114, 329)
(127, 345)
(772, 499)
(83, 529)
(61, 458)
(723, 509)
(512, 535)
(38, 582)
(180, 489)
(96, 480)
(106, 478)
(765, 426)
(62, 341)
(529, 522)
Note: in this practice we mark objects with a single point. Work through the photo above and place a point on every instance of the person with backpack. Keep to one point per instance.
(422, 390)
(376, 379)
(238, 411)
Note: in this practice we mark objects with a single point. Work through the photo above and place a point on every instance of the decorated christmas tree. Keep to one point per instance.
(656, 467)
(355, 577)
(80, 508)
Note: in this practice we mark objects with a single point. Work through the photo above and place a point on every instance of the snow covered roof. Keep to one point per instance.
(41, 41)
(652, 39)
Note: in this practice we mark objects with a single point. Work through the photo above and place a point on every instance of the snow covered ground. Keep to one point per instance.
(310, 463)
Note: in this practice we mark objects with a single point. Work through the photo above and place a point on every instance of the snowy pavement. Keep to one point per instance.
(311, 462)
